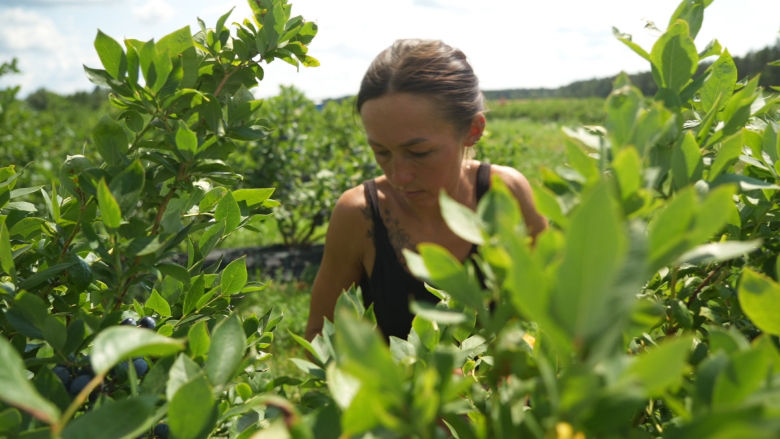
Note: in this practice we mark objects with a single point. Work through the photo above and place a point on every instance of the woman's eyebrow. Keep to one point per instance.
(406, 144)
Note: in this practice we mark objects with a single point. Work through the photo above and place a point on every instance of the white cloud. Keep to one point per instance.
(47, 56)
(154, 11)
(511, 43)
(24, 30)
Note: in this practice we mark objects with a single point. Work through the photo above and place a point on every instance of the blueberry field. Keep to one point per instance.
(648, 309)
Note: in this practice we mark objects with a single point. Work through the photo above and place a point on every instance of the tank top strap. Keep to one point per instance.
(483, 179)
(372, 199)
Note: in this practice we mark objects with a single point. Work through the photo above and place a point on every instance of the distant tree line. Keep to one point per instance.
(755, 62)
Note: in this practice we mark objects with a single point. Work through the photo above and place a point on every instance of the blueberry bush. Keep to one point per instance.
(113, 325)
(646, 310)
(310, 156)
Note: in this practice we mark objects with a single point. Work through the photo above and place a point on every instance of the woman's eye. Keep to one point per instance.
(381, 153)
(419, 154)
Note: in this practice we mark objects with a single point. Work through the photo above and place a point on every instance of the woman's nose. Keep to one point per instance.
(402, 173)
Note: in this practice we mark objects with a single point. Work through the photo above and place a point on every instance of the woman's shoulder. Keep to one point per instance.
(353, 213)
(513, 178)
(520, 187)
(351, 205)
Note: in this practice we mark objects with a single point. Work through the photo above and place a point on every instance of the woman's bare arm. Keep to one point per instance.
(535, 223)
(342, 260)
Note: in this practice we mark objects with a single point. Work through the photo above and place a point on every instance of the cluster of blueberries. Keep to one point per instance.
(76, 378)
(145, 322)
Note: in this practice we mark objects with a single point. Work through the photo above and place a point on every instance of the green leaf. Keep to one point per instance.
(193, 295)
(548, 206)
(743, 375)
(596, 245)
(181, 372)
(777, 268)
(132, 61)
(228, 344)
(128, 185)
(692, 11)
(758, 296)
(463, 221)
(525, 280)
(252, 197)
(233, 277)
(622, 107)
(626, 39)
(228, 210)
(686, 162)
(364, 354)
(6, 255)
(728, 153)
(737, 110)
(661, 366)
(199, 341)
(28, 314)
(628, 170)
(309, 368)
(499, 210)
(109, 208)
(175, 42)
(192, 410)
(449, 274)
(118, 343)
(744, 182)
(431, 313)
(17, 390)
(176, 271)
(668, 230)
(363, 413)
(10, 420)
(111, 55)
(158, 304)
(580, 161)
(111, 141)
(770, 144)
(210, 237)
(186, 141)
(309, 347)
(674, 58)
(122, 418)
(54, 332)
(342, 386)
(427, 331)
(720, 84)
(718, 252)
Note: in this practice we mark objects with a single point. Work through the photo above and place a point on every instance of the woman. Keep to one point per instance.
(422, 111)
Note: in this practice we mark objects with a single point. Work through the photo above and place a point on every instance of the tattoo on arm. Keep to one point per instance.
(370, 218)
(399, 239)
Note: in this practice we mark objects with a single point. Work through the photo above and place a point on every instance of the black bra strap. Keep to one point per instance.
(369, 187)
(483, 179)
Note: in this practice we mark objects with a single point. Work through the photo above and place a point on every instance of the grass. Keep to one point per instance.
(291, 299)
(524, 144)
(561, 110)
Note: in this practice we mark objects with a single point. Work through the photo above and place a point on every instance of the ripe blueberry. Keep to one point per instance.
(78, 384)
(63, 374)
(147, 322)
(161, 431)
(129, 322)
(141, 366)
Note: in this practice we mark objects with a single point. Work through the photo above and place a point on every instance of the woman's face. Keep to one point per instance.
(418, 150)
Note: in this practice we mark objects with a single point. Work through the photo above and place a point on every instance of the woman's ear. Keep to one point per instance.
(476, 129)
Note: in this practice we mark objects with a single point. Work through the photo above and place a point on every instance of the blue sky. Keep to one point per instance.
(511, 43)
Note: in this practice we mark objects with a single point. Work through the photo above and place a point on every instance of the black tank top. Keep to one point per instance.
(390, 286)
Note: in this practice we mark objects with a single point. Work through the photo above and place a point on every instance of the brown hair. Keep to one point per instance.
(428, 67)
